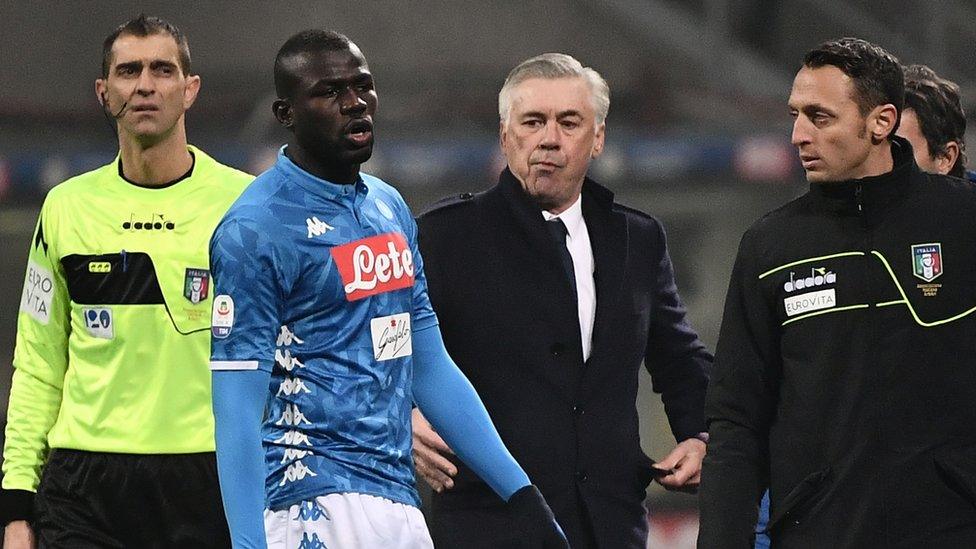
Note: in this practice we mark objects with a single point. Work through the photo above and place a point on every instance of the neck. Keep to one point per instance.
(879, 161)
(342, 174)
(158, 162)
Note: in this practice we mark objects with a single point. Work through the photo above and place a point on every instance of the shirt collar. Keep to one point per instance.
(317, 185)
(572, 217)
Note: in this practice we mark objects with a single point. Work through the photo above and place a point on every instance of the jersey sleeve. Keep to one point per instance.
(245, 317)
(422, 316)
(40, 358)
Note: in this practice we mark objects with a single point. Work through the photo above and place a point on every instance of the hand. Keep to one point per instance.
(533, 520)
(429, 450)
(18, 535)
(686, 461)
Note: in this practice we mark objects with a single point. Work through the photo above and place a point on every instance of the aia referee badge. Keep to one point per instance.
(196, 285)
(927, 261)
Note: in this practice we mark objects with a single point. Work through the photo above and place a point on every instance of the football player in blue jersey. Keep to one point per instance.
(324, 337)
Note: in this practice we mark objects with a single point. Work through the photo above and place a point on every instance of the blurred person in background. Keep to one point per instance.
(550, 295)
(934, 122)
(324, 337)
(843, 377)
(109, 436)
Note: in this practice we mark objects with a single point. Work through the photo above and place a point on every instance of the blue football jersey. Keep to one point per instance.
(322, 285)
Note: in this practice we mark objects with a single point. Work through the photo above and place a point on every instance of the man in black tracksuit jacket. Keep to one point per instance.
(845, 376)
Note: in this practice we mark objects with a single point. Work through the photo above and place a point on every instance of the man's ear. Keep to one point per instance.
(945, 160)
(101, 86)
(282, 111)
(882, 122)
(190, 91)
(598, 141)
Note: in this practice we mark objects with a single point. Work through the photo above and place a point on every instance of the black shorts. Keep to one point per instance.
(105, 500)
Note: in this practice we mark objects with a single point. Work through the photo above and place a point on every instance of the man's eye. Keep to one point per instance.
(532, 123)
(570, 124)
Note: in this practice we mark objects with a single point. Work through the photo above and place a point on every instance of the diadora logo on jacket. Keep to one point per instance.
(818, 277)
(374, 265)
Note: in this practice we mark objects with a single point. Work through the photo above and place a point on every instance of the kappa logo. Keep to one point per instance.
(374, 265)
(286, 337)
(295, 472)
(818, 277)
(311, 541)
(292, 386)
(286, 361)
(291, 415)
(293, 438)
(316, 227)
(310, 511)
(292, 454)
(927, 261)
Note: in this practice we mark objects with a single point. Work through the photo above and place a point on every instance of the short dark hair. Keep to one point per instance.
(877, 75)
(936, 103)
(146, 25)
(304, 42)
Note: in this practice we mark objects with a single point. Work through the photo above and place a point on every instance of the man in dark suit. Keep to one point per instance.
(549, 296)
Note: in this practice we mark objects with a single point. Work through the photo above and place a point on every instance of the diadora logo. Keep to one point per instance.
(152, 222)
(818, 277)
(374, 265)
(316, 227)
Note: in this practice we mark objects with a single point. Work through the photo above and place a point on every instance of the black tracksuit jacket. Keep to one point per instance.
(845, 374)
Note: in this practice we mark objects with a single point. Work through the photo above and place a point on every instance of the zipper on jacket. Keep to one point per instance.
(859, 198)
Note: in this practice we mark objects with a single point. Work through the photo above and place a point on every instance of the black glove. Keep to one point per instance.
(533, 520)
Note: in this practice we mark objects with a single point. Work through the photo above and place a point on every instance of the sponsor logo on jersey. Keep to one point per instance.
(152, 222)
(99, 323)
(809, 302)
(222, 320)
(196, 285)
(927, 261)
(391, 336)
(316, 227)
(818, 277)
(38, 292)
(374, 265)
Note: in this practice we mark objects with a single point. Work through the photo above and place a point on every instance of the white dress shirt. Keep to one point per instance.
(578, 243)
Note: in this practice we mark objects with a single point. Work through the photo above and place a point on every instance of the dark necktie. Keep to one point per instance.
(558, 231)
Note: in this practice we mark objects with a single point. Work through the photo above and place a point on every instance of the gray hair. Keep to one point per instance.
(551, 66)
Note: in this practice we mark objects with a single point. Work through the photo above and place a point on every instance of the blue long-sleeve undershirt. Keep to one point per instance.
(442, 392)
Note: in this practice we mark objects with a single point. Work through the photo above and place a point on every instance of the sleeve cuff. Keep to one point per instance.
(16, 505)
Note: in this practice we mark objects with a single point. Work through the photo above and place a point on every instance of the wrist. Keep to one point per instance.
(16, 505)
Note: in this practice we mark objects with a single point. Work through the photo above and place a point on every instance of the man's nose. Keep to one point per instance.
(801, 132)
(146, 84)
(351, 103)
(550, 136)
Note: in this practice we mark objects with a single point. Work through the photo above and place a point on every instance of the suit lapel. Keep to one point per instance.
(608, 239)
(537, 269)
